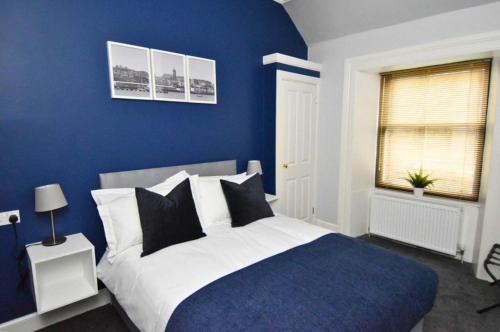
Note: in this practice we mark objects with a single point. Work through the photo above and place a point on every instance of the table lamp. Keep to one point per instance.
(50, 198)
(254, 167)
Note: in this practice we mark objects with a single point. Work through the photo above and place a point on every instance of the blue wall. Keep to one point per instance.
(59, 124)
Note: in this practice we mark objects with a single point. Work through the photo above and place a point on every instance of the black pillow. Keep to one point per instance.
(168, 220)
(247, 201)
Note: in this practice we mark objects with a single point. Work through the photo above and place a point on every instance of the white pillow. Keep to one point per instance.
(104, 196)
(120, 215)
(212, 206)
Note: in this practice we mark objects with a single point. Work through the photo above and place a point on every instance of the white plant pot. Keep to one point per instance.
(418, 192)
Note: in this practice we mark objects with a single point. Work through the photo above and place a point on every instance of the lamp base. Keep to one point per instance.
(49, 242)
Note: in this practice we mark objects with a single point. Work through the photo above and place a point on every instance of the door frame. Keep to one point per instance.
(282, 76)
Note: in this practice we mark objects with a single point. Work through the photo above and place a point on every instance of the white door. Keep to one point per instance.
(296, 126)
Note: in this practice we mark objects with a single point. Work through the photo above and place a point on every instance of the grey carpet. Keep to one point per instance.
(102, 319)
(459, 296)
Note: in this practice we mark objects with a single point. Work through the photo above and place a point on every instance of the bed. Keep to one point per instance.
(277, 273)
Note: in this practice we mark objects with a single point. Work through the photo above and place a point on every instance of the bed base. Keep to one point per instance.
(123, 315)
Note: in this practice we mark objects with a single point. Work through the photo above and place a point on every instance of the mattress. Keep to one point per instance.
(150, 288)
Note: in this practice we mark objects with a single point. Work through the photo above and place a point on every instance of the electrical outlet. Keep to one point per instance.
(4, 217)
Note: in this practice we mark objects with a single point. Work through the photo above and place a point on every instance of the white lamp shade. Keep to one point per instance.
(49, 197)
(254, 167)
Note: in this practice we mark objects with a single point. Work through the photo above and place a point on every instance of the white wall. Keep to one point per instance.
(397, 41)
(364, 126)
(332, 54)
(489, 230)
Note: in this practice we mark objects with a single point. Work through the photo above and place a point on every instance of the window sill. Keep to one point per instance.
(430, 199)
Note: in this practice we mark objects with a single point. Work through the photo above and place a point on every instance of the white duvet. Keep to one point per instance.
(151, 287)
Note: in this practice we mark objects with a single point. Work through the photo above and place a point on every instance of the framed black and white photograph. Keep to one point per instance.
(202, 80)
(169, 76)
(129, 71)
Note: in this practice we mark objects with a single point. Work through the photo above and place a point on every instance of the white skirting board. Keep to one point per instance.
(35, 321)
(327, 225)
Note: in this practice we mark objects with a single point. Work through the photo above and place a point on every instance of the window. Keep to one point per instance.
(434, 118)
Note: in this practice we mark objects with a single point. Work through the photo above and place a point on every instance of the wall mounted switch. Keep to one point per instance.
(4, 217)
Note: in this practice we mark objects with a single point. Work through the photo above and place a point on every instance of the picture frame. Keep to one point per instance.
(169, 76)
(129, 71)
(202, 80)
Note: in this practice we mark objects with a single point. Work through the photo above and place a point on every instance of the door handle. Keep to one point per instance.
(285, 165)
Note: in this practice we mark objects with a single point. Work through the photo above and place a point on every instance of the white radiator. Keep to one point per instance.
(423, 224)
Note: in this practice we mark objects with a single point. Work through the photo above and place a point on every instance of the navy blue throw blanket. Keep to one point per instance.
(334, 283)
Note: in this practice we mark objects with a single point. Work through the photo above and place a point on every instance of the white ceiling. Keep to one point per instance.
(319, 20)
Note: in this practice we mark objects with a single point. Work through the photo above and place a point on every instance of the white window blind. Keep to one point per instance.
(434, 118)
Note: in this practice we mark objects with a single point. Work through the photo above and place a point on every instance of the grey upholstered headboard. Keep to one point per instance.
(152, 176)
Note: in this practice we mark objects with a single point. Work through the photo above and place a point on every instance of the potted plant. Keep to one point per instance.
(419, 181)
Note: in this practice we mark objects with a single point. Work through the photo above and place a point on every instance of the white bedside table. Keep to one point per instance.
(62, 274)
(273, 202)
